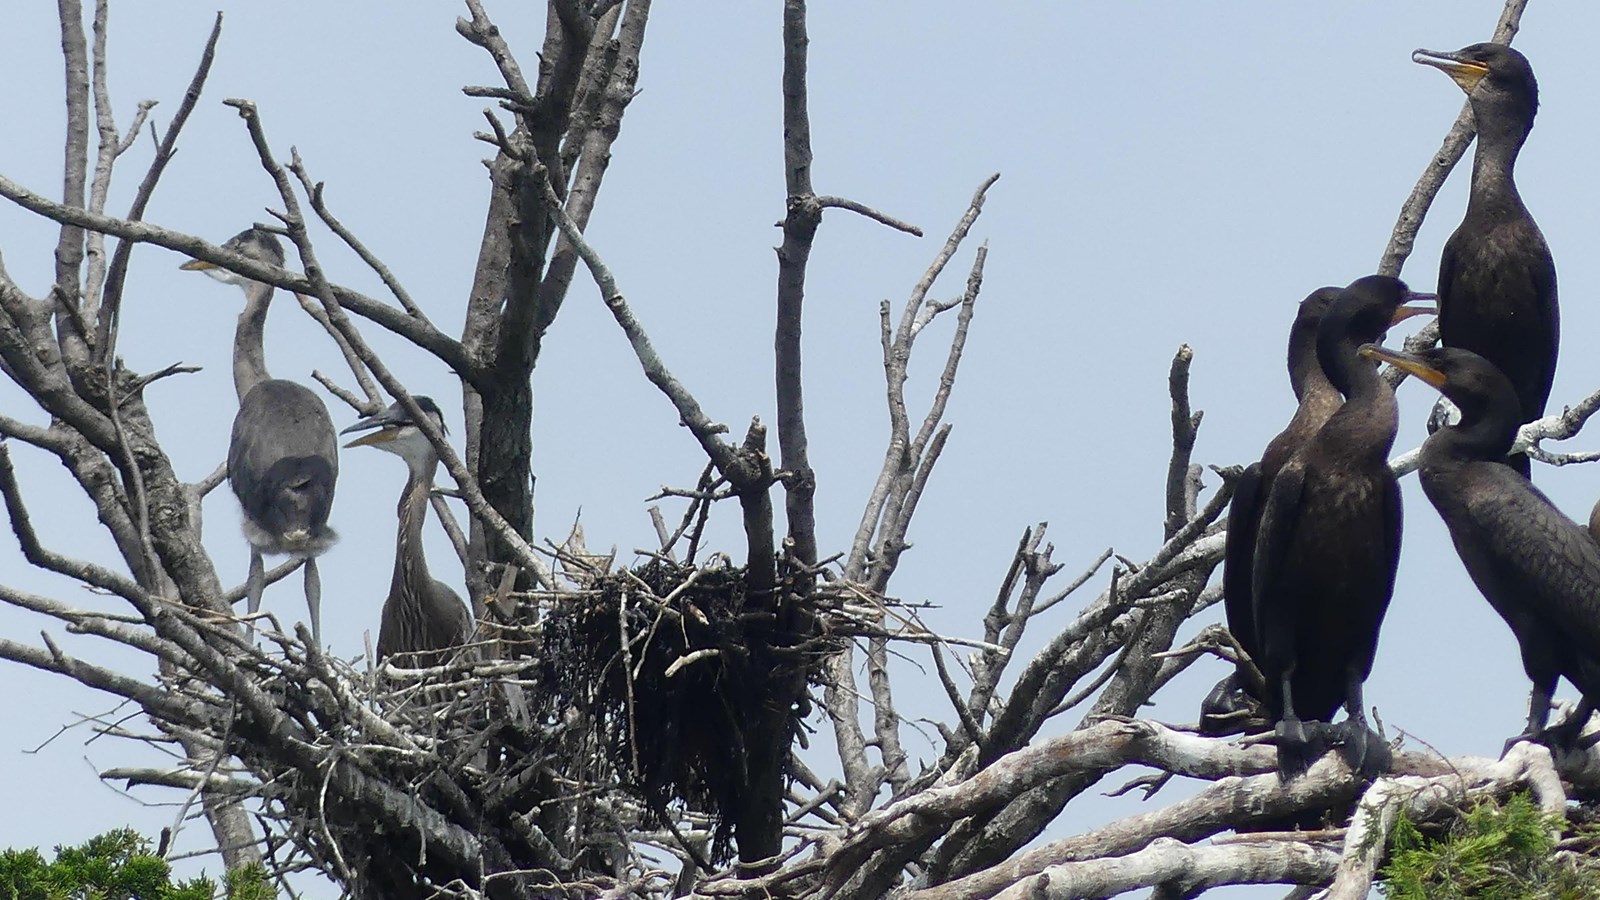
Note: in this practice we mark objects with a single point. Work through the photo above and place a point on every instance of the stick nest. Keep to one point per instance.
(677, 669)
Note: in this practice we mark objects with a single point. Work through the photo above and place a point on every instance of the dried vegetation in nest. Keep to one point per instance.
(669, 663)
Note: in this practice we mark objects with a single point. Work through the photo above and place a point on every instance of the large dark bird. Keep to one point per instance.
(422, 615)
(1328, 541)
(1230, 703)
(1538, 569)
(283, 458)
(1497, 283)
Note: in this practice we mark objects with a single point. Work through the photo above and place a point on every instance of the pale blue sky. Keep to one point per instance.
(1172, 172)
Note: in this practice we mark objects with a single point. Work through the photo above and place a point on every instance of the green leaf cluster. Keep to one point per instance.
(117, 865)
(1493, 852)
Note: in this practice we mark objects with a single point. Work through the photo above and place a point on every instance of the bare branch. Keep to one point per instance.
(319, 203)
(67, 292)
(1167, 860)
(111, 298)
(689, 411)
(1554, 427)
(420, 333)
(829, 202)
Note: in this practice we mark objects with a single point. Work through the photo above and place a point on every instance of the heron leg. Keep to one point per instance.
(314, 599)
(254, 585)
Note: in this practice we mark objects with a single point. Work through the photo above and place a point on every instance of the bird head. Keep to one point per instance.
(1368, 307)
(1492, 74)
(1471, 382)
(1303, 336)
(261, 246)
(394, 430)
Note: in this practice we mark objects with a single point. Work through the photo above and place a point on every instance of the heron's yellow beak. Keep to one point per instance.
(381, 436)
(197, 265)
(1405, 362)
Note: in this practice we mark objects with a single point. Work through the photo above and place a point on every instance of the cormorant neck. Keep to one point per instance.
(249, 355)
(1501, 134)
(1318, 401)
(1311, 384)
(1481, 435)
(1343, 367)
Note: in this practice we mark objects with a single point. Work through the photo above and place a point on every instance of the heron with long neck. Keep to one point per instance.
(422, 615)
(283, 457)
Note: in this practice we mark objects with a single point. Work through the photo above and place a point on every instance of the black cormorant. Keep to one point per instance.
(1497, 282)
(1538, 569)
(1228, 707)
(1328, 541)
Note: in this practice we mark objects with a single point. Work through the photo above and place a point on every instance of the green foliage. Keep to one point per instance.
(1493, 852)
(117, 865)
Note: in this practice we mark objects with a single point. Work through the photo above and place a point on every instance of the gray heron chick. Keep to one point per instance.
(283, 457)
(421, 615)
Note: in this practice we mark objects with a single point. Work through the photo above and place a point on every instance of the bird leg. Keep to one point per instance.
(1538, 715)
(1585, 711)
(1565, 736)
(1295, 749)
(1365, 751)
(254, 585)
(314, 599)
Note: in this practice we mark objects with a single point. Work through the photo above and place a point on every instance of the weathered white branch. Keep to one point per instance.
(1169, 861)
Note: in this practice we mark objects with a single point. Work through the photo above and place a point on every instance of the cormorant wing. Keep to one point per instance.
(1544, 282)
(1548, 560)
(1369, 617)
(1239, 549)
(1517, 263)
(1274, 538)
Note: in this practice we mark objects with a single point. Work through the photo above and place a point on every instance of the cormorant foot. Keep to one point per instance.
(1366, 752)
(1298, 746)
(1519, 738)
(1567, 736)
(1229, 709)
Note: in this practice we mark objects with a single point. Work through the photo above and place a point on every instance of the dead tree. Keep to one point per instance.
(637, 728)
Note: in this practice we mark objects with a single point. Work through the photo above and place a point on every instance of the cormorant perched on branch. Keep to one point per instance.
(1231, 700)
(283, 457)
(1497, 282)
(422, 615)
(1329, 540)
(1538, 569)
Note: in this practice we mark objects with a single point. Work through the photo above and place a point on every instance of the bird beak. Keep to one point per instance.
(381, 436)
(1428, 306)
(387, 424)
(197, 265)
(1465, 73)
(1406, 362)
